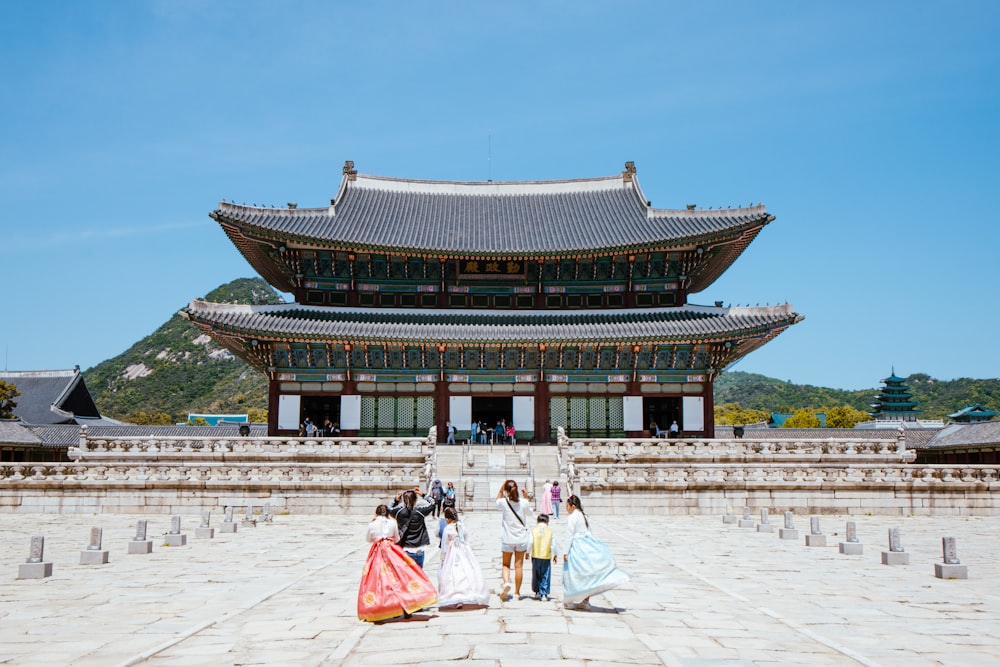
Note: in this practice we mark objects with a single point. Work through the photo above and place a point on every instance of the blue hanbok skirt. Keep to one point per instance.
(589, 569)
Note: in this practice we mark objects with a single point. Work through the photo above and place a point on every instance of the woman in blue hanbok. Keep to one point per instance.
(460, 579)
(588, 566)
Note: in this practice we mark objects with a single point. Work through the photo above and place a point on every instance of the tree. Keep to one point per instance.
(198, 421)
(735, 414)
(150, 418)
(8, 392)
(844, 417)
(257, 415)
(803, 418)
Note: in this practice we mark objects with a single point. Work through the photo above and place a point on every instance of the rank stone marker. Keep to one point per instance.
(205, 531)
(788, 532)
(815, 538)
(139, 544)
(249, 519)
(951, 567)
(35, 567)
(895, 555)
(93, 555)
(228, 525)
(175, 538)
(266, 515)
(851, 546)
(746, 521)
(765, 525)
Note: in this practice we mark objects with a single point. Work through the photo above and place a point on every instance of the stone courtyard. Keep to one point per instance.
(703, 593)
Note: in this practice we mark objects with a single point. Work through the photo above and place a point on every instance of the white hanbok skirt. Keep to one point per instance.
(460, 579)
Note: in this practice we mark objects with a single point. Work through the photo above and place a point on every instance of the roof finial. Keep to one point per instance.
(349, 170)
(629, 174)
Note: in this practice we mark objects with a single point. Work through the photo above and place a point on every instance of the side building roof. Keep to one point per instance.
(51, 397)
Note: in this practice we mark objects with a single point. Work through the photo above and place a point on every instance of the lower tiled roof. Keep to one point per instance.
(320, 322)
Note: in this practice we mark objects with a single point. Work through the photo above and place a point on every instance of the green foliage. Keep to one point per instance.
(198, 421)
(936, 398)
(150, 418)
(802, 418)
(735, 414)
(8, 392)
(844, 417)
(177, 369)
(257, 415)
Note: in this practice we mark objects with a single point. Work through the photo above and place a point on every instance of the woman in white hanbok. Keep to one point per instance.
(589, 567)
(460, 579)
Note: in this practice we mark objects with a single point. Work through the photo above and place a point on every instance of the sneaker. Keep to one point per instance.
(546, 598)
(537, 596)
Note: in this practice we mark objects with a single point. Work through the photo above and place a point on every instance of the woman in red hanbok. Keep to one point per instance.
(392, 584)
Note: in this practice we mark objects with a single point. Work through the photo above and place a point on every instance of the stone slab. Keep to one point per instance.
(34, 570)
(765, 527)
(788, 533)
(895, 558)
(204, 533)
(140, 547)
(93, 557)
(815, 540)
(950, 571)
(746, 523)
(174, 540)
(228, 527)
(852, 548)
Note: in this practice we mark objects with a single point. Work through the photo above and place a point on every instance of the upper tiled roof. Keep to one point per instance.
(323, 322)
(51, 397)
(14, 432)
(501, 218)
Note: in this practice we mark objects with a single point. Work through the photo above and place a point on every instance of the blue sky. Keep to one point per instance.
(869, 129)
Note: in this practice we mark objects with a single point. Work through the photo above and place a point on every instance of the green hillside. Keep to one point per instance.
(177, 369)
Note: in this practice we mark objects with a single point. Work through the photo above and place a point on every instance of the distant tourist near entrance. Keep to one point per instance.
(532, 303)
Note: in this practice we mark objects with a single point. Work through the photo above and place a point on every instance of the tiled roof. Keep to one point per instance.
(13, 432)
(521, 217)
(134, 431)
(322, 322)
(50, 397)
(966, 435)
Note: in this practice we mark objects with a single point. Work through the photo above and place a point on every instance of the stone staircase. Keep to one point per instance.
(477, 484)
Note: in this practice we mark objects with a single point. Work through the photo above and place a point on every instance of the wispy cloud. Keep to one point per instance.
(93, 234)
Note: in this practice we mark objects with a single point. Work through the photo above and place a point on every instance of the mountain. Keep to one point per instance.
(178, 369)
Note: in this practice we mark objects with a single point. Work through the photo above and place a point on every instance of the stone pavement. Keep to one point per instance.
(703, 594)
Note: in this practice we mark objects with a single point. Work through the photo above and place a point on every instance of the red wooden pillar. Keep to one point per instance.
(542, 430)
(709, 415)
(272, 407)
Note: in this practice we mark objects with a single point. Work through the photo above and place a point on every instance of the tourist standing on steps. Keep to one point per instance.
(514, 535)
(460, 578)
(589, 567)
(410, 515)
(555, 496)
(450, 499)
(437, 495)
(451, 433)
(545, 502)
(391, 582)
(474, 432)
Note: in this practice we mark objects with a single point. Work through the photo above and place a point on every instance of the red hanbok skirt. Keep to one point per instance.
(392, 583)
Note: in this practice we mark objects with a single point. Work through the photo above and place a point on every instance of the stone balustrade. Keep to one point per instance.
(750, 450)
(194, 447)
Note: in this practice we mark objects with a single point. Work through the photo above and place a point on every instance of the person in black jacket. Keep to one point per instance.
(410, 510)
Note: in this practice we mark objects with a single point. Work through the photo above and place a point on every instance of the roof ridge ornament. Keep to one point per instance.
(629, 174)
(350, 171)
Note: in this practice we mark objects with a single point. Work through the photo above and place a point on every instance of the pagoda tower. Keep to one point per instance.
(539, 303)
(894, 402)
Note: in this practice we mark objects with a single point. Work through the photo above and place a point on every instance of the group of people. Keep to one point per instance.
(327, 430)
(503, 433)
(393, 581)
(657, 432)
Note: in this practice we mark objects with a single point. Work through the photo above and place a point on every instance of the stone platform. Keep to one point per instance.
(702, 593)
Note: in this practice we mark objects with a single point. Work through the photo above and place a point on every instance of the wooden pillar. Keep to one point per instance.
(272, 407)
(542, 431)
(442, 409)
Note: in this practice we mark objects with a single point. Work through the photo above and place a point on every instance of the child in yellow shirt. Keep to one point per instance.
(543, 553)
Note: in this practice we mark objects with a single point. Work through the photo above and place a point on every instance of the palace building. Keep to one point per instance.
(542, 303)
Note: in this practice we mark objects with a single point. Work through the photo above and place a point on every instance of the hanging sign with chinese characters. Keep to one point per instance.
(472, 269)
